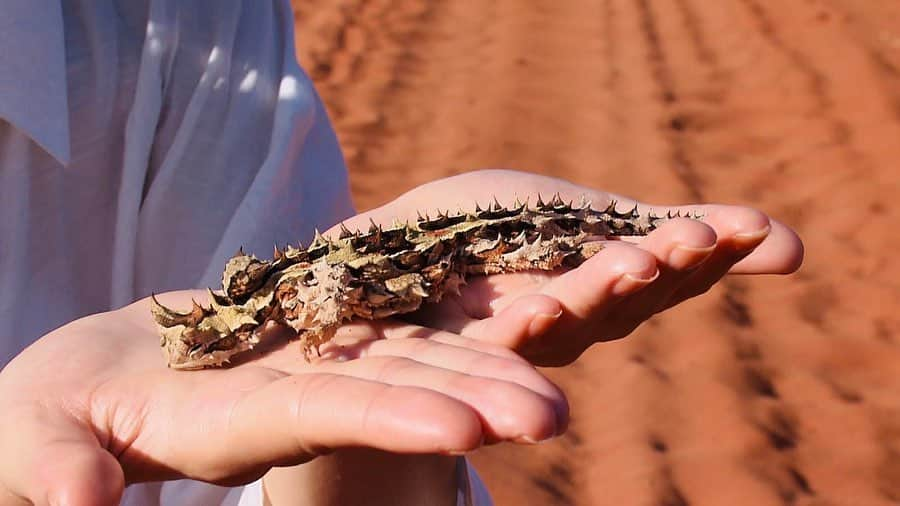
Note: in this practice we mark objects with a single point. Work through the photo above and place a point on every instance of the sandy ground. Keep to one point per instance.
(779, 390)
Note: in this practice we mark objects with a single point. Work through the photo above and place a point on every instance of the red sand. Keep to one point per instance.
(778, 390)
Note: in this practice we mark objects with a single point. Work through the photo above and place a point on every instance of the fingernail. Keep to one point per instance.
(631, 282)
(541, 322)
(749, 240)
(525, 439)
(683, 256)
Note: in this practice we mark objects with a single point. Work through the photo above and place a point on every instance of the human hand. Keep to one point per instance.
(610, 294)
(91, 406)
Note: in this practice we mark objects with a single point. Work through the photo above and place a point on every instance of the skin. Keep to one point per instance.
(613, 292)
(559, 314)
(91, 406)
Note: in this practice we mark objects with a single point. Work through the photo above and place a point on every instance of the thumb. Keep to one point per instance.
(57, 460)
(525, 320)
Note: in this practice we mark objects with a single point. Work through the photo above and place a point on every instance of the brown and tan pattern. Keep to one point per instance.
(768, 391)
(384, 272)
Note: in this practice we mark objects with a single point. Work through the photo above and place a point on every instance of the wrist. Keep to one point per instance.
(7, 498)
(365, 476)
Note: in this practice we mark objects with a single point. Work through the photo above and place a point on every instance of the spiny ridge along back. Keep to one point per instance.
(385, 271)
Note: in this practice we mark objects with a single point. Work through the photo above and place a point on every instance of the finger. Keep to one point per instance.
(527, 318)
(614, 272)
(680, 244)
(780, 253)
(300, 416)
(680, 247)
(463, 357)
(587, 294)
(391, 330)
(513, 400)
(486, 296)
(739, 231)
(58, 461)
(677, 248)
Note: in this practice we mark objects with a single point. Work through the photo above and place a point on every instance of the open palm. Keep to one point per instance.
(613, 292)
(92, 405)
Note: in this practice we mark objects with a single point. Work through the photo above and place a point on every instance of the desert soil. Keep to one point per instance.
(765, 391)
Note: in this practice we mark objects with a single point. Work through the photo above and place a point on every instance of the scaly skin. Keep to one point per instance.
(383, 272)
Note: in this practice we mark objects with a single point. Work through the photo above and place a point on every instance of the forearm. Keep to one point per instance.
(365, 476)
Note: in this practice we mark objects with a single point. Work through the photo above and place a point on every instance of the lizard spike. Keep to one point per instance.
(166, 317)
(239, 252)
(583, 202)
(517, 203)
(216, 300)
(540, 202)
(557, 200)
(197, 310)
(317, 239)
(162, 315)
(519, 207)
(345, 232)
(419, 217)
(376, 231)
(156, 307)
(520, 238)
(611, 207)
(478, 208)
(634, 212)
(277, 254)
(373, 227)
(496, 204)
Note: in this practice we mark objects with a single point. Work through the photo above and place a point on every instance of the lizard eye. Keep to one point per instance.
(195, 349)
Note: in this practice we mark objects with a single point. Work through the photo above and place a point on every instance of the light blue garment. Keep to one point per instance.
(143, 143)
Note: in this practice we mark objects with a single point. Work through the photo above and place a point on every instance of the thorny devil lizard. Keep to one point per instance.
(384, 272)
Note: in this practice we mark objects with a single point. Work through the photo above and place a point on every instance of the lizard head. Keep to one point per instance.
(196, 339)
